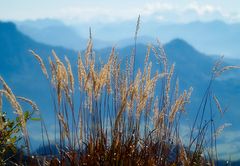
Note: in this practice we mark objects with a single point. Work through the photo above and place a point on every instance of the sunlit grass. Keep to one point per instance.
(109, 116)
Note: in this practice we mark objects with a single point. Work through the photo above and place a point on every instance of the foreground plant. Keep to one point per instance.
(119, 120)
(10, 132)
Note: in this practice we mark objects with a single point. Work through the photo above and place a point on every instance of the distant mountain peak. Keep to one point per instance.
(178, 40)
(10, 33)
(14, 47)
(180, 47)
(180, 43)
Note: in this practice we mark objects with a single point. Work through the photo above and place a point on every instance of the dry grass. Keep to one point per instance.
(118, 120)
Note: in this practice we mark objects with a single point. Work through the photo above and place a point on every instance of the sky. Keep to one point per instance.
(112, 10)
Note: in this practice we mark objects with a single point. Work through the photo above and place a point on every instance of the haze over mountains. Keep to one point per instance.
(56, 33)
(215, 37)
(193, 68)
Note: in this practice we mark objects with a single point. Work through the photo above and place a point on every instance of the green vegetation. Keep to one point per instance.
(9, 137)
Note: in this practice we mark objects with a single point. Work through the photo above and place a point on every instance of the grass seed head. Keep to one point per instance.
(70, 74)
(44, 70)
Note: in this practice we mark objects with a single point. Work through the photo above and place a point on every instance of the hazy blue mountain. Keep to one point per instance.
(52, 32)
(56, 33)
(215, 37)
(40, 23)
(14, 48)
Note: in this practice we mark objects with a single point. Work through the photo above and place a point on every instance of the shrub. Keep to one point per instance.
(10, 135)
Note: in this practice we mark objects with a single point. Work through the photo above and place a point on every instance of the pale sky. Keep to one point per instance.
(112, 10)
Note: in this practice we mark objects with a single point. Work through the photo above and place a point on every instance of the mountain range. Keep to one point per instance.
(193, 68)
(56, 33)
(214, 37)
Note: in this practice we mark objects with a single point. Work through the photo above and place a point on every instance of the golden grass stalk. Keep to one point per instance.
(218, 70)
(130, 65)
(147, 54)
(71, 78)
(133, 91)
(175, 108)
(146, 93)
(226, 68)
(161, 120)
(156, 54)
(30, 102)
(103, 78)
(82, 75)
(56, 57)
(162, 56)
(218, 105)
(6, 87)
(176, 91)
(221, 128)
(111, 66)
(12, 100)
(183, 155)
(68, 97)
(53, 71)
(66, 131)
(88, 52)
(179, 104)
(217, 64)
(122, 108)
(168, 86)
(44, 70)
(61, 76)
(137, 28)
(156, 113)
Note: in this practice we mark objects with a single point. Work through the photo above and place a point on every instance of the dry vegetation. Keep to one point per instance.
(115, 117)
